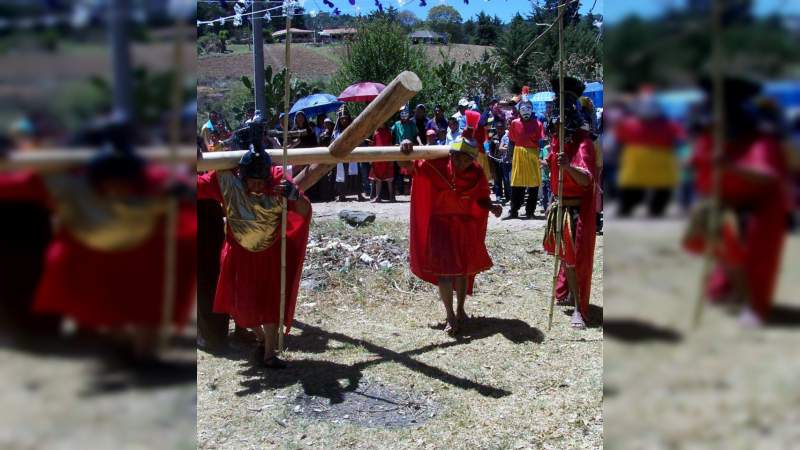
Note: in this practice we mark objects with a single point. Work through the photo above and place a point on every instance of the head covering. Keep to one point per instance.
(327, 120)
(255, 164)
(404, 112)
(466, 146)
(301, 113)
(421, 106)
(573, 119)
(116, 159)
(463, 102)
(430, 132)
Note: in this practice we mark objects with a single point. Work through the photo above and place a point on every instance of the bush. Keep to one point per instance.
(207, 44)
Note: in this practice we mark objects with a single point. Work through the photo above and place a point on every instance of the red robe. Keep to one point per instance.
(249, 282)
(110, 288)
(382, 171)
(448, 215)
(758, 247)
(578, 246)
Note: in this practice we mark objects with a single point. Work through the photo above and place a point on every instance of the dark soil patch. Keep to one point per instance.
(373, 405)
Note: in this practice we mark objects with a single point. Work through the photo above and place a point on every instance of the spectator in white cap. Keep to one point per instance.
(463, 104)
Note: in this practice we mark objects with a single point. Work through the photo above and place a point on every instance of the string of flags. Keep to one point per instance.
(240, 10)
(288, 7)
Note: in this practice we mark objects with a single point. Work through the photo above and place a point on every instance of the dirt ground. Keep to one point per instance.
(77, 394)
(668, 386)
(371, 331)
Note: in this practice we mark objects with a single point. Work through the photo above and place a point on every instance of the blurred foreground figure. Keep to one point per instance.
(755, 203)
(578, 199)
(104, 267)
(648, 160)
(250, 264)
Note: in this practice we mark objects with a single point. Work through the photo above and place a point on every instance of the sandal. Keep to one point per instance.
(566, 301)
(273, 363)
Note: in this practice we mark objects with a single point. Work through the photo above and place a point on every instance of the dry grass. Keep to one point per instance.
(506, 383)
(308, 62)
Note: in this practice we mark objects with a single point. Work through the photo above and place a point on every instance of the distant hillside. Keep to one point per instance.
(308, 62)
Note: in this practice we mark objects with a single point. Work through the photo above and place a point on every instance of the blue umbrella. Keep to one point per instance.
(594, 91)
(316, 104)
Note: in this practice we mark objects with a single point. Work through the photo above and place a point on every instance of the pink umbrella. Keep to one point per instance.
(363, 92)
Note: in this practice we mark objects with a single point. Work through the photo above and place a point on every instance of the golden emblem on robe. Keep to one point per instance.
(253, 221)
(99, 222)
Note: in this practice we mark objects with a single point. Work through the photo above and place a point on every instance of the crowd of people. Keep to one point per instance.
(513, 148)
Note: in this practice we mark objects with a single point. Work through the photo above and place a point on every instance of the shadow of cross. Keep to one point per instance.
(321, 378)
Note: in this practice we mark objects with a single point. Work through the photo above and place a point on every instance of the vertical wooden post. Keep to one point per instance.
(718, 130)
(560, 207)
(171, 222)
(284, 213)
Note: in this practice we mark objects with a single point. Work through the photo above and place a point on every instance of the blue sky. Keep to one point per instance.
(505, 9)
(618, 9)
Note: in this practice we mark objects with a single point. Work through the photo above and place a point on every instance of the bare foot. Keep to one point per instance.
(577, 321)
(461, 317)
(749, 319)
(451, 327)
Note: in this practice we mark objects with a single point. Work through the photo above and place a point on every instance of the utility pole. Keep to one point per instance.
(118, 15)
(258, 60)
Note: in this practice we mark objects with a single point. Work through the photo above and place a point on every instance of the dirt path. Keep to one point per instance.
(398, 212)
(668, 386)
(76, 394)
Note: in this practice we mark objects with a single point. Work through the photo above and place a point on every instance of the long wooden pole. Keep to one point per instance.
(718, 130)
(171, 222)
(59, 159)
(320, 155)
(560, 207)
(284, 212)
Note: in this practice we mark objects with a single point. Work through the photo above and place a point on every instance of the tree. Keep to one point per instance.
(512, 43)
(486, 31)
(223, 36)
(407, 20)
(384, 41)
(446, 19)
(469, 32)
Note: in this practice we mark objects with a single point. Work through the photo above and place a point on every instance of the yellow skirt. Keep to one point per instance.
(483, 161)
(525, 168)
(648, 167)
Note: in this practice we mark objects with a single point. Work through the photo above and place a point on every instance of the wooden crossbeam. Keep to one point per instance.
(53, 160)
(321, 155)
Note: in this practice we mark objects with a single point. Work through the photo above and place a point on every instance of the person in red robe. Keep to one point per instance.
(579, 166)
(248, 289)
(104, 267)
(754, 197)
(382, 172)
(449, 212)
